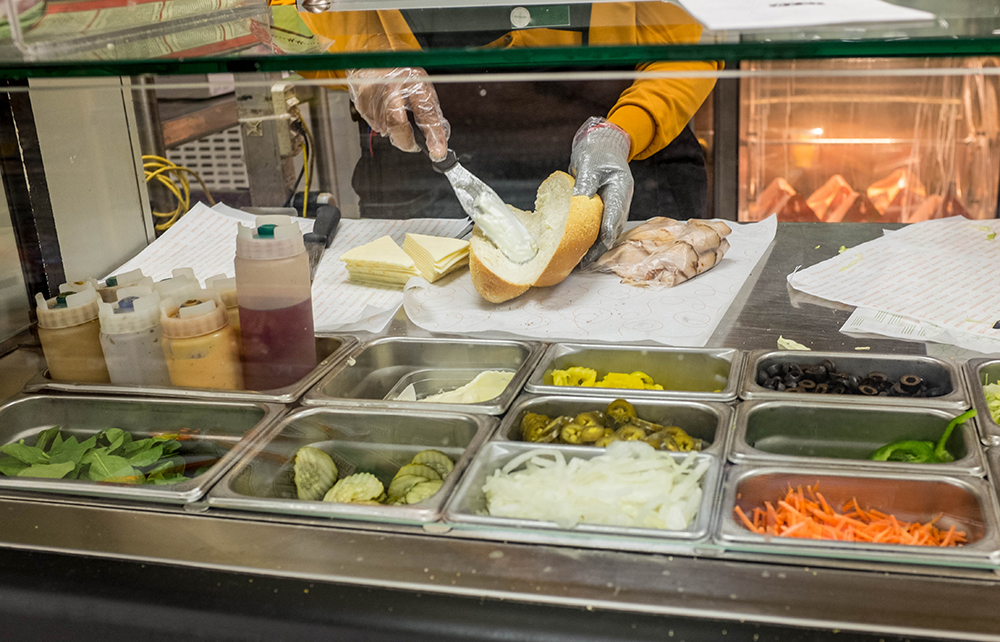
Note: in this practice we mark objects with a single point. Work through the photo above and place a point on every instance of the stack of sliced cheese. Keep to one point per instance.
(436, 256)
(380, 262)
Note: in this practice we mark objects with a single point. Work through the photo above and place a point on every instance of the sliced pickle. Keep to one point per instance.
(422, 491)
(437, 460)
(419, 470)
(315, 473)
(359, 487)
(402, 485)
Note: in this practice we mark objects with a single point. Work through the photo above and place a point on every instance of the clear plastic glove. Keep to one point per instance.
(599, 162)
(383, 96)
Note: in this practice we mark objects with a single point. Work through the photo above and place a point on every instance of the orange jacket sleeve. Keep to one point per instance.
(653, 110)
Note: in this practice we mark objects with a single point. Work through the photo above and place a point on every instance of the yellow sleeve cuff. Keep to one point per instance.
(638, 124)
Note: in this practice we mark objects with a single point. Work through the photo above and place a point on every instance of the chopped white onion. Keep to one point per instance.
(631, 484)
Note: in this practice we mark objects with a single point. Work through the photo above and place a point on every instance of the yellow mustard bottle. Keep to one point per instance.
(226, 287)
(70, 333)
(198, 343)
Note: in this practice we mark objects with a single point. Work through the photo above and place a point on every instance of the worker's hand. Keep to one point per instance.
(599, 162)
(383, 96)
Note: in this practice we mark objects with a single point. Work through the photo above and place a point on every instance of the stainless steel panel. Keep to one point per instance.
(467, 508)
(377, 441)
(980, 371)
(330, 350)
(703, 420)
(967, 502)
(706, 374)
(226, 430)
(843, 435)
(935, 371)
(371, 374)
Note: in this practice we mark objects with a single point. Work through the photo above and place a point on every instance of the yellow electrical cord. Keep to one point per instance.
(305, 159)
(305, 168)
(172, 176)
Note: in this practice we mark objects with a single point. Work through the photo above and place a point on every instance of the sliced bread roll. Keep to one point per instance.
(565, 226)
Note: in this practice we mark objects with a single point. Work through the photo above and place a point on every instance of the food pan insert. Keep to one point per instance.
(704, 374)
(964, 501)
(374, 440)
(330, 350)
(703, 420)
(214, 434)
(382, 368)
(467, 508)
(937, 374)
(981, 372)
(844, 435)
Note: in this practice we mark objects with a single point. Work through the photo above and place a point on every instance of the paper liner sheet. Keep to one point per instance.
(944, 272)
(205, 239)
(597, 307)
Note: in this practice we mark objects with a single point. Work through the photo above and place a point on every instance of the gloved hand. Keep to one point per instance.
(599, 162)
(383, 96)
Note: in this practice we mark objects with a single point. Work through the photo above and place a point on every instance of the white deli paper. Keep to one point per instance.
(867, 322)
(743, 15)
(598, 307)
(205, 239)
(945, 272)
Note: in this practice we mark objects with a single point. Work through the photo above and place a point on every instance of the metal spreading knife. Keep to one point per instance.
(482, 204)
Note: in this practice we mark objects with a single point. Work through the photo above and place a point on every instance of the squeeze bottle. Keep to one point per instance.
(275, 302)
(70, 334)
(131, 337)
(183, 279)
(109, 289)
(198, 342)
(226, 287)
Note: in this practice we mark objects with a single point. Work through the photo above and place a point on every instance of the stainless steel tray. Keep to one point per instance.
(465, 510)
(703, 420)
(330, 350)
(226, 428)
(978, 371)
(705, 374)
(968, 502)
(373, 371)
(815, 433)
(374, 440)
(933, 370)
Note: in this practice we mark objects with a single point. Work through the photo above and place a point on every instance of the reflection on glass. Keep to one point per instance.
(887, 149)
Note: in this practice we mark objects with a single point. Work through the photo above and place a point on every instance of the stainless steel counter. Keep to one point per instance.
(901, 600)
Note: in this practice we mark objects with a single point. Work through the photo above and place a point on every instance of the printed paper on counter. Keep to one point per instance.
(718, 15)
(943, 272)
(867, 322)
(205, 239)
(598, 307)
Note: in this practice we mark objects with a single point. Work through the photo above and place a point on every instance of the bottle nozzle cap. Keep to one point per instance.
(60, 301)
(125, 304)
(111, 281)
(266, 231)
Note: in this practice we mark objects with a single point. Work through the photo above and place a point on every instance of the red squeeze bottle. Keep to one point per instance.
(275, 303)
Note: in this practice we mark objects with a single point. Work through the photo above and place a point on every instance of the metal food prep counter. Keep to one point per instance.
(184, 572)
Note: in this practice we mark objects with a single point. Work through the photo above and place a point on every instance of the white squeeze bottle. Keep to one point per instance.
(275, 303)
(182, 279)
(109, 289)
(131, 337)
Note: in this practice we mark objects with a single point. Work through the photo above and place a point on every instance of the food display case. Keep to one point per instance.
(592, 458)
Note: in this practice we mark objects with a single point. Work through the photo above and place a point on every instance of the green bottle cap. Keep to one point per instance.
(112, 281)
(266, 231)
(61, 301)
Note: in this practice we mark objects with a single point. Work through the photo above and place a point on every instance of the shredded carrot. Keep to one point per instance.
(806, 514)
